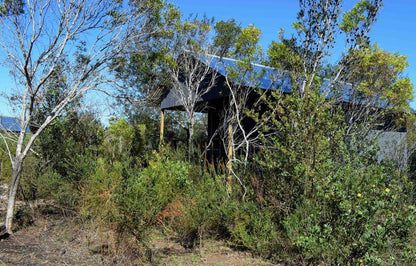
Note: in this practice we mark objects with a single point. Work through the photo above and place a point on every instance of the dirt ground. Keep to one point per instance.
(47, 243)
(59, 241)
(211, 252)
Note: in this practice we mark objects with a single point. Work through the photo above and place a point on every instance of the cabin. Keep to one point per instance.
(392, 142)
(214, 101)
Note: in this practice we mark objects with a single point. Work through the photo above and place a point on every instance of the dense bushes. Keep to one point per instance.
(200, 211)
(333, 207)
(312, 198)
(66, 155)
(141, 198)
(131, 200)
(355, 213)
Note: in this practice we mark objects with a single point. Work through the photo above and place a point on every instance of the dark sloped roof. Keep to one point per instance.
(267, 78)
(261, 76)
(10, 124)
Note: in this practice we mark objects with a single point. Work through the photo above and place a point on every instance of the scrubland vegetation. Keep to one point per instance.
(310, 189)
(345, 208)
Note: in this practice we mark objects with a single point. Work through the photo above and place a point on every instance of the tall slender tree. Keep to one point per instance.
(37, 35)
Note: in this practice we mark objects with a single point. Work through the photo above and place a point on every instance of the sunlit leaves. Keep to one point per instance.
(226, 35)
(285, 55)
(362, 13)
(247, 40)
(380, 73)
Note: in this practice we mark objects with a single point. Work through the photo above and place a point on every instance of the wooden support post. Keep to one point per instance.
(230, 155)
(162, 126)
(230, 142)
(206, 158)
(212, 153)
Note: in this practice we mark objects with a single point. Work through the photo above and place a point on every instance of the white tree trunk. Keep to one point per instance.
(17, 171)
(35, 41)
(191, 136)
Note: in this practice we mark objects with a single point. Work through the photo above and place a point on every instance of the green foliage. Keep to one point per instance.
(201, 211)
(361, 13)
(51, 185)
(79, 137)
(253, 228)
(140, 199)
(284, 55)
(11, 7)
(66, 154)
(378, 73)
(246, 45)
(98, 192)
(332, 203)
(226, 35)
(122, 197)
(312, 194)
(6, 168)
(355, 213)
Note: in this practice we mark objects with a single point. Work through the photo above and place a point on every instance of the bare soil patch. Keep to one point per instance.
(62, 241)
(48, 242)
(210, 252)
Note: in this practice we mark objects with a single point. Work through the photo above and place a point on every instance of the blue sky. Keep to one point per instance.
(394, 31)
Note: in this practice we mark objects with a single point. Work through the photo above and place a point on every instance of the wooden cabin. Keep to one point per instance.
(217, 99)
(214, 101)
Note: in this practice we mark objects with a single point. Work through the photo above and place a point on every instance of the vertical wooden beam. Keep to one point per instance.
(206, 158)
(162, 126)
(212, 153)
(230, 141)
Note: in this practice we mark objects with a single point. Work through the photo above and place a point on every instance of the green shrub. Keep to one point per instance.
(253, 228)
(129, 200)
(208, 211)
(48, 184)
(51, 185)
(98, 192)
(202, 211)
(354, 214)
(142, 197)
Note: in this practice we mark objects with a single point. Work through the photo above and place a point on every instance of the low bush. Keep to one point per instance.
(202, 211)
(130, 200)
(355, 214)
(141, 198)
(344, 212)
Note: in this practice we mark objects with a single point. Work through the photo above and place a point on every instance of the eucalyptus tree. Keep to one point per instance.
(241, 82)
(379, 95)
(174, 62)
(319, 27)
(226, 34)
(35, 38)
(329, 114)
(191, 74)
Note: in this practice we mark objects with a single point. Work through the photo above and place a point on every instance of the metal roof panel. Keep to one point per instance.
(10, 124)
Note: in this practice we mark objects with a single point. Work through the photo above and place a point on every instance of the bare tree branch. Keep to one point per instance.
(83, 36)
